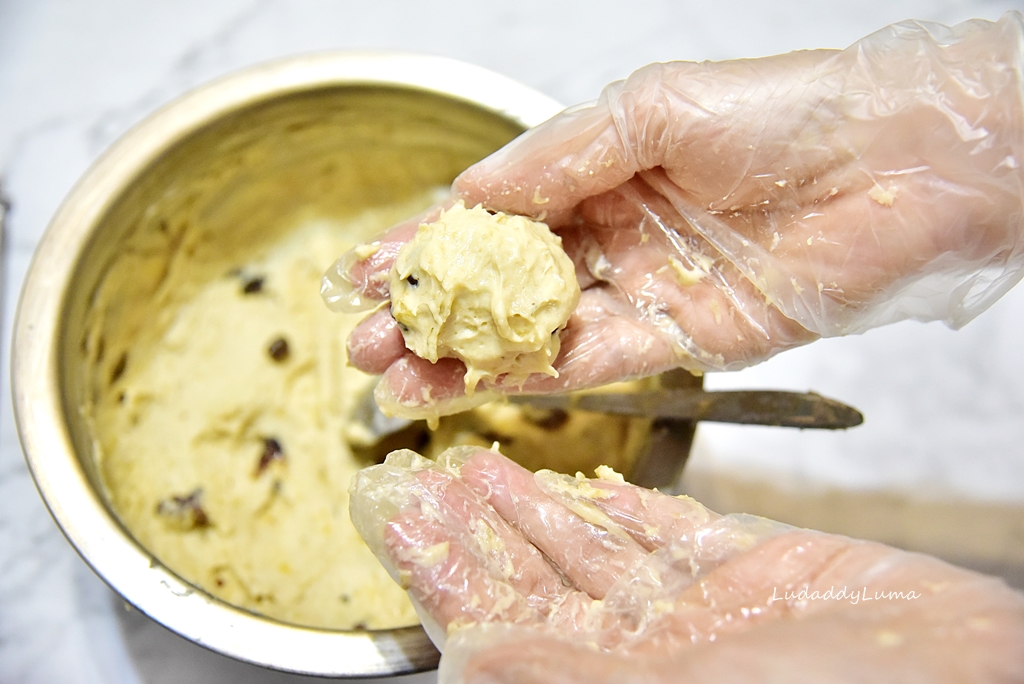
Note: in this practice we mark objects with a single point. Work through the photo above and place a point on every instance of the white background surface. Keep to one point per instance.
(945, 410)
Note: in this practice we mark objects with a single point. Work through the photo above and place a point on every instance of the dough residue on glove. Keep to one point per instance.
(490, 289)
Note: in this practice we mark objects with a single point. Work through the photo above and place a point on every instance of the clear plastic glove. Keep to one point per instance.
(719, 213)
(523, 577)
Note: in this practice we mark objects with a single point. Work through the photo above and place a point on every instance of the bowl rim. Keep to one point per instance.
(35, 357)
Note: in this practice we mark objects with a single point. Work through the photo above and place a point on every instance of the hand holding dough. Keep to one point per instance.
(720, 213)
(491, 290)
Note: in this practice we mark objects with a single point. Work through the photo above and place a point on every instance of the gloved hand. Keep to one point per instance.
(719, 213)
(549, 578)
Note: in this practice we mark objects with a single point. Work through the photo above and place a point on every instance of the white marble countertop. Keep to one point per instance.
(945, 410)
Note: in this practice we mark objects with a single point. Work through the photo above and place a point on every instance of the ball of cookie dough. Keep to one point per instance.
(491, 289)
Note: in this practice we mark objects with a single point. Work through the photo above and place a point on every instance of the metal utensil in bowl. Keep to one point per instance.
(805, 410)
(674, 404)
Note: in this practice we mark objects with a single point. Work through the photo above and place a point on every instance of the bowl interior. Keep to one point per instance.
(221, 194)
(214, 198)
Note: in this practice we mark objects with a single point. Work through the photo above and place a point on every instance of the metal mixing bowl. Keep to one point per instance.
(430, 116)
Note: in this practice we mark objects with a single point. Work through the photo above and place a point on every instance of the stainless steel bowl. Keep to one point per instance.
(387, 104)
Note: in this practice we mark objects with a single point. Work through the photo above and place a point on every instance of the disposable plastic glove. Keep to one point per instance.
(549, 578)
(719, 213)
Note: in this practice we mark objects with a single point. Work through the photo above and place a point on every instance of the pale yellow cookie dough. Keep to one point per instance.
(220, 435)
(564, 441)
(221, 413)
(490, 289)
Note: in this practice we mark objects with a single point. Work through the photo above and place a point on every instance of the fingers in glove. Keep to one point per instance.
(376, 343)
(466, 565)
(651, 518)
(591, 553)
(496, 654)
(461, 561)
(447, 579)
(358, 280)
(955, 625)
(698, 118)
(591, 354)
(679, 283)
(826, 648)
(546, 171)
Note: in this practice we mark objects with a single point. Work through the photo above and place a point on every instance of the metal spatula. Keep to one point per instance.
(751, 407)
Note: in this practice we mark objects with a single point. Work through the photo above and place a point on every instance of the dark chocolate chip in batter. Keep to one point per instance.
(279, 350)
(186, 512)
(549, 420)
(118, 371)
(272, 451)
(252, 285)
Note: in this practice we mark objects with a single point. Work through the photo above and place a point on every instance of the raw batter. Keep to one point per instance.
(222, 421)
(220, 442)
(492, 290)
